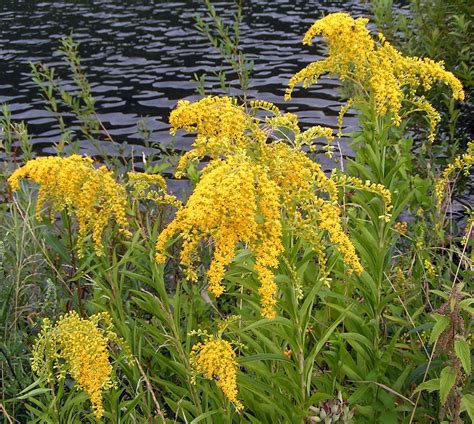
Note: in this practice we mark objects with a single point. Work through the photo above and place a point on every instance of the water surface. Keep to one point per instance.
(140, 57)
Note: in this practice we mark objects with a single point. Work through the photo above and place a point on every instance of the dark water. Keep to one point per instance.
(140, 57)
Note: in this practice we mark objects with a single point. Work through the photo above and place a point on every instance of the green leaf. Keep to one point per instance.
(440, 293)
(33, 393)
(467, 404)
(461, 347)
(31, 386)
(442, 323)
(264, 357)
(318, 397)
(265, 322)
(203, 416)
(464, 304)
(430, 386)
(446, 383)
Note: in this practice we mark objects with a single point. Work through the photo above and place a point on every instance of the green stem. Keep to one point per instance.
(79, 288)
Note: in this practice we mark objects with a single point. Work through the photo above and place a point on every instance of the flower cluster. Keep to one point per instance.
(376, 67)
(221, 125)
(258, 178)
(216, 359)
(469, 229)
(78, 347)
(73, 184)
(150, 187)
(348, 182)
(461, 163)
(225, 205)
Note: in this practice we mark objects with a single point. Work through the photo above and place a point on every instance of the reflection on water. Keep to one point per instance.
(140, 57)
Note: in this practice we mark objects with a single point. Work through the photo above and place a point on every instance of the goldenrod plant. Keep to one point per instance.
(385, 88)
(215, 359)
(378, 72)
(276, 292)
(440, 30)
(254, 181)
(73, 184)
(77, 347)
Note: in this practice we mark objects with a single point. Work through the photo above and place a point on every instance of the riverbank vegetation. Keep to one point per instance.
(275, 292)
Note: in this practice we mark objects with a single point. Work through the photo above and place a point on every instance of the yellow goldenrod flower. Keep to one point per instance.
(74, 185)
(329, 220)
(461, 163)
(429, 268)
(78, 347)
(379, 70)
(257, 176)
(151, 187)
(264, 105)
(469, 229)
(401, 227)
(345, 182)
(432, 115)
(340, 116)
(141, 181)
(216, 360)
(220, 123)
(211, 117)
(225, 205)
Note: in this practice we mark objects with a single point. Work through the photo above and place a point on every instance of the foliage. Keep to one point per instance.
(225, 39)
(440, 30)
(390, 342)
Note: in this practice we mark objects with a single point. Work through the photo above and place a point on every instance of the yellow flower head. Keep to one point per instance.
(78, 347)
(216, 360)
(249, 188)
(74, 185)
(462, 163)
(226, 205)
(401, 227)
(150, 187)
(429, 268)
(211, 117)
(220, 123)
(390, 79)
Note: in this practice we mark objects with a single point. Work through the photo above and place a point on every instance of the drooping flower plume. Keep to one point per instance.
(380, 71)
(462, 163)
(77, 347)
(258, 182)
(215, 359)
(73, 184)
